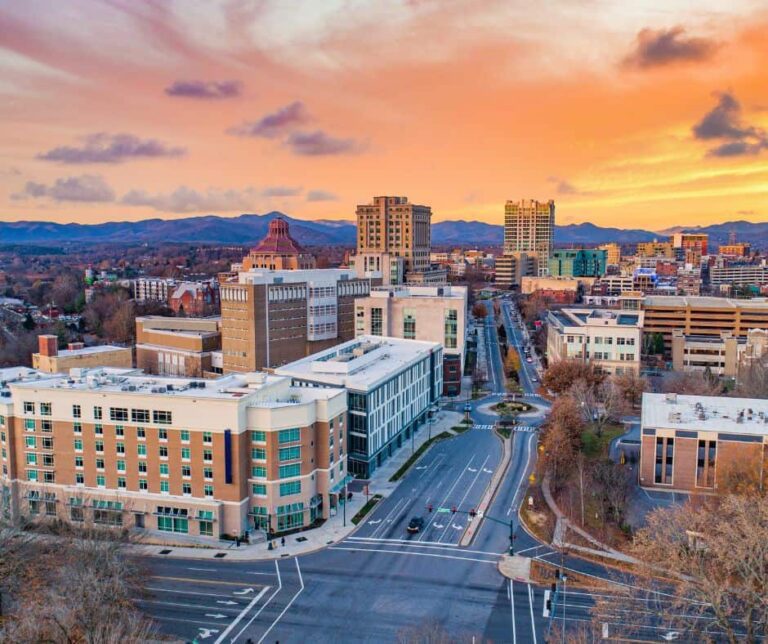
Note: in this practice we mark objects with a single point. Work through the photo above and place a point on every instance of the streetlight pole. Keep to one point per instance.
(565, 580)
(344, 508)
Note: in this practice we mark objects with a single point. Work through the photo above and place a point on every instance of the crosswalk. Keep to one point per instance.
(517, 428)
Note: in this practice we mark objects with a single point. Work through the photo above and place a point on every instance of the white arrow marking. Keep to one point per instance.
(205, 633)
(215, 615)
(487, 471)
(458, 527)
(471, 469)
(420, 467)
(244, 591)
(374, 522)
(438, 526)
(226, 602)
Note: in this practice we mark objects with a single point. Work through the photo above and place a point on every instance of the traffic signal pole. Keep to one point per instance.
(473, 513)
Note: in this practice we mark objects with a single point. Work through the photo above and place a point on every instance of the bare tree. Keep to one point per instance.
(631, 386)
(694, 383)
(558, 454)
(752, 381)
(427, 632)
(600, 404)
(563, 375)
(713, 555)
(611, 483)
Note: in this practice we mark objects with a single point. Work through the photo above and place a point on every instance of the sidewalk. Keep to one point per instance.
(333, 530)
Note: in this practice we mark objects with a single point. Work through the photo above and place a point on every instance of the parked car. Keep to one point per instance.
(416, 525)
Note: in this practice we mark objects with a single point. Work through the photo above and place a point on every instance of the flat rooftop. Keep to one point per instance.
(84, 351)
(271, 389)
(597, 317)
(705, 413)
(703, 301)
(316, 275)
(425, 292)
(361, 364)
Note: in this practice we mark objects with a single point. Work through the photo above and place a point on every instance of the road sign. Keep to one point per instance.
(444, 510)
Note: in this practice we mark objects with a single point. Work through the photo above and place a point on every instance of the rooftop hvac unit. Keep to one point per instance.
(200, 384)
(193, 384)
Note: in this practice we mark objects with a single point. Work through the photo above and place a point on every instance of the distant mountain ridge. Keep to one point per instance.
(247, 229)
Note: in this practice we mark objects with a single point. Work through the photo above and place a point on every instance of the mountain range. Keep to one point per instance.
(247, 229)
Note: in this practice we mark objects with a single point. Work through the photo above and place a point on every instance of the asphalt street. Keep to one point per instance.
(380, 581)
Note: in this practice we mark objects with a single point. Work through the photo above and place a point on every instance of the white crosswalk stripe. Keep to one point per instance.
(524, 428)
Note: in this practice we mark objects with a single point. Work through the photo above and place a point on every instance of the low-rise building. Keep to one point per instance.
(510, 269)
(694, 443)
(391, 386)
(738, 274)
(115, 447)
(432, 313)
(607, 338)
(170, 346)
(153, 289)
(581, 262)
(50, 359)
(725, 355)
(195, 298)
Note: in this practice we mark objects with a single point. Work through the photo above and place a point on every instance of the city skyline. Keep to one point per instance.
(648, 118)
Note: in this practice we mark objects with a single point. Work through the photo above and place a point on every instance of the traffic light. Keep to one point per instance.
(429, 508)
(472, 513)
(557, 573)
(453, 510)
(549, 606)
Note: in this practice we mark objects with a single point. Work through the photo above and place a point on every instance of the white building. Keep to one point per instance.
(607, 338)
(391, 385)
(156, 289)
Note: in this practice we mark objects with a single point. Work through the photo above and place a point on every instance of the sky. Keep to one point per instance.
(628, 113)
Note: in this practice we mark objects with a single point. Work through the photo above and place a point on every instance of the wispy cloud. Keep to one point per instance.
(275, 124)
(724, 122)
(86, 188)
(204, 89)
(321, 195)
(111, 148)
(185, 199)
(281, 191)
(563, 187)
(655, 48)
(319, 143)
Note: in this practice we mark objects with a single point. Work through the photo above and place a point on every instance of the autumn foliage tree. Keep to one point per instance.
(561, 376)
(479, 310)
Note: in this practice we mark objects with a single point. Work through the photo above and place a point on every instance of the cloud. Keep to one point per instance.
(111, 148)
(318, 143)
(564, 187)
(745, 212)
(204, 89)
(724, 122)
(87, 188)
(185, 199)
(321, 195)
(656, 48)
(275, 124)
(281, 191)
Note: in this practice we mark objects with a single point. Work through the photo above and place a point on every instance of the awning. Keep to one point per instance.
(341, 483)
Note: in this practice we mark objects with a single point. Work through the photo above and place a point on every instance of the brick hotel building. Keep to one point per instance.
(121, 448)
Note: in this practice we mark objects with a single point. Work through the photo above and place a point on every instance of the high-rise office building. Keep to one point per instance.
(393, 226)
(529, 227)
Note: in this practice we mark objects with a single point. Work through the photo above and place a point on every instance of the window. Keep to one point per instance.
(29, 424)
(31, 475)
(139, 415)
(258, 437)
(208, 491)
(186, 471)
(141, 433)
(162, 417)
(143, 485)
(184, 436)
(142, 465)
(288, 471)
(121, 482)
(141, 449)
(162, 434)
(376, 321)
(290, 516)
(186, 489)
(79, 462)
(99, 446)
(163, 469)
(163, 450)
(259, 472)
(78, 445)
(665, 452)
(97, 413)
(31, 442)
(98, 429)
(118, 414)
(172, 520)
(208, 473)
(164, 487)
(108, 512)
(29, 408)
(120, 448)
(409, 324)
(186, 453)
(31, 459)
(289, 453)
(79, 478)
(207, 456)
(121, 466)
(46, 425)
(259, 454)
(77, 411)
(705, 467)
(45, 409)
(207, 438)
(77, 428)
(451, 328)
(101, 481)
(100, 464)
(289, 435)
(76, 511)
(47, 442)
(259, 489)
(206, 528)
(290, 487)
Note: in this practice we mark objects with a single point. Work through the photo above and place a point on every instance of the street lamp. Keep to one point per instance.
(565, 580)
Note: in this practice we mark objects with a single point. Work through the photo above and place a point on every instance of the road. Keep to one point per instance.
(381, 580)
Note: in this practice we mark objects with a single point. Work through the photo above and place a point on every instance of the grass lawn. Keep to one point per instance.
(460, 429)
(511, 406)
(505, 431)
(595, 446)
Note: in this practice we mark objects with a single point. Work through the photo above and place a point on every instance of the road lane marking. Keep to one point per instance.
(182, 592)
(258, 612)
(288, 605)
(416, 554)
(530, 603)
(455, 483)
(469, 489)
(243, 612)
(387, 517)
(403, 541)
(239, 584)
(512, 609)
(425, 545)
(160, 603)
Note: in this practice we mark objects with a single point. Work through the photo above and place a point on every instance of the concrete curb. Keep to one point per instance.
(515, 567)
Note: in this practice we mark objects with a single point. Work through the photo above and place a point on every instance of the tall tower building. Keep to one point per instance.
(529, 227)
(396, 227)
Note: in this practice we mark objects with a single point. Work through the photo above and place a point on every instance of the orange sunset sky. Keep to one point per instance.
(628, 113)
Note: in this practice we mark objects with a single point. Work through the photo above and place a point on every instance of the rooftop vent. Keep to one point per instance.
(671, 398)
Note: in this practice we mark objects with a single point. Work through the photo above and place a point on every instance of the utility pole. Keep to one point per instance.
(565, 580)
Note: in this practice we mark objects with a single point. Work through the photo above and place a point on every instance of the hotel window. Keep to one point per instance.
(98, 429)
(259, 454)
(259, 472)
(97, 413)
(162, 417)
(163, 451)
(121, 483)
(184, 436)
(101, 481)
(121, 466)
(207, 491)
(78, 445)
(141, 449)
(208, 473)
(29, 424)
(665, 453)
(289, 453)
(31, 442)
(451, 329)
(258, 436)
(77, 428)
(289, 471)
(143, 486)
(289, 435)
(162, 434)
(99, 463)
(207, 438)
(118, 414)
(376, 321)
(164, 487)
(705, 466)
(79, 478)
(186, 454)
(141, 433)
(45, 409)
(206, 522)
(186, 471)
(290, 487)
(207, 456)
(46, 425)
(120, 448)
(29, 408)
(259, 489)
(139, 415)
(76, 411)
(99, 446)
(31, 459)
(142, 467)
(79, 461)
(163, 469)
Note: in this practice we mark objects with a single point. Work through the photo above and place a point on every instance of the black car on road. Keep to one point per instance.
(416, 524)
